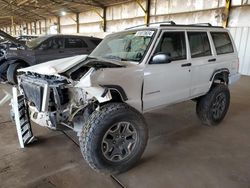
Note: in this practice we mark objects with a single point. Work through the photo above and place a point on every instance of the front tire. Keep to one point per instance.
(12, 72)
(114, 138)
(212, 108)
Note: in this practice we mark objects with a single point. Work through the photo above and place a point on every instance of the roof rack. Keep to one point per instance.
(161, 24)
(201, 24)
(171, 23)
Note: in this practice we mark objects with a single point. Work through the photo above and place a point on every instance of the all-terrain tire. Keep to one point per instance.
(212, 107)
(12, 72)
(98, 125)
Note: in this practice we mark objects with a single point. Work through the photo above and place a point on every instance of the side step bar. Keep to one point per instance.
(23, 126)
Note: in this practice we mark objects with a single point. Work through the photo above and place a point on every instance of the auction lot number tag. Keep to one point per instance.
(144, 33)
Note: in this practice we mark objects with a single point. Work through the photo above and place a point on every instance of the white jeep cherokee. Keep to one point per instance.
(103, 96)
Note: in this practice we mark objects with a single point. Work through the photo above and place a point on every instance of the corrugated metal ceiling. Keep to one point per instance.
(31, 10)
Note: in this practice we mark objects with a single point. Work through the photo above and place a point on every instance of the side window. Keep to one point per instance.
(53, 43)
(222, 42)
(199, 44)
(95, 41)
(75, 43)
(173, 44)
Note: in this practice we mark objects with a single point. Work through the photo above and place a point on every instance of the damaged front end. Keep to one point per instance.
(58, 101)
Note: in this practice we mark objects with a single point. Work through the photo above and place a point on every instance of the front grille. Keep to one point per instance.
(33, 93)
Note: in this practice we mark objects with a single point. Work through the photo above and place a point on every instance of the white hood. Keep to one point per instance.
(55, 66)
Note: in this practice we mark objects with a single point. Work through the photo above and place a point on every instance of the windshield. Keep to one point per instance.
(126, 46)
(35, 42)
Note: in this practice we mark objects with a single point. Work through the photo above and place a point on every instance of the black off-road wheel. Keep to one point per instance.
(12, 72)
(212, 108)
(114, 138)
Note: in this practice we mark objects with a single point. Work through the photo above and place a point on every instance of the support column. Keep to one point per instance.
(58, 24)
(77, 23)
(147, 13)
(145, 10)
(35, 27)
(46, 29)
(15, 33)
(27, 28)
(226, 13)
(104, 19)
(40, 27)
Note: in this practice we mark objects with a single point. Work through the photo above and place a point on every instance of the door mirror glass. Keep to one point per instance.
(161, 58)
(43, 47)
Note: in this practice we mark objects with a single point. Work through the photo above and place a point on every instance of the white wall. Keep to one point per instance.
(241, 36)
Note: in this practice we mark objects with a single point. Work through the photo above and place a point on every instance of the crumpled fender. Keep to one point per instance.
(86, 83)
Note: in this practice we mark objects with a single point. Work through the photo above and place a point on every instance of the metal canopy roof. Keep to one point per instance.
(32, 10)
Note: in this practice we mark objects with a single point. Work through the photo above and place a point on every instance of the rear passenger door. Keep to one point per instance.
(76, 46)
(202, 59)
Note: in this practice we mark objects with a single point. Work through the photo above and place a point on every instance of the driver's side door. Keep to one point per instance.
(168, 83)
(51, 49)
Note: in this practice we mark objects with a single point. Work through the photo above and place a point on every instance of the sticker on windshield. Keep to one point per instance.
(144, 33)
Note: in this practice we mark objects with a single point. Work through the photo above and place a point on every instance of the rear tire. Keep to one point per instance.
(212, 108)
(12, 72)
(114, 138)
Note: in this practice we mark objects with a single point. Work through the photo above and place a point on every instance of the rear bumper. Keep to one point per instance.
(234, 78)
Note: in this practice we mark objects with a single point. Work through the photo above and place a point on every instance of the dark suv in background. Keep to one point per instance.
(42, 49)
(7, 44)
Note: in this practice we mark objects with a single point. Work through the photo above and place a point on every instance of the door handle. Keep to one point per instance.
(61, 51)
(186, 65)
(210, 60)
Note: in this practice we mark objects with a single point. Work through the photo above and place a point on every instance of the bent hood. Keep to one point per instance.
(69, 65)
(55, 66)
(11, 39)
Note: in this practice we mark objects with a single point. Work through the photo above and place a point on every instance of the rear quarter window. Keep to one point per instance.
(222, 42)
(75, 43)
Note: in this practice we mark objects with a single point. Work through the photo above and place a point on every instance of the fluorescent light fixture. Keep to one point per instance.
(63, 13)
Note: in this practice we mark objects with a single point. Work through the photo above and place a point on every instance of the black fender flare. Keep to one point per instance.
(117, 88)
(218, 71)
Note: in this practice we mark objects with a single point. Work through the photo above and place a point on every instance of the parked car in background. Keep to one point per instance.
(7, 44)
(42, 49)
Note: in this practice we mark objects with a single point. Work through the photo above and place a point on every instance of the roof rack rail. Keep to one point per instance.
(161, 24)
(171, 23)
(201, 24)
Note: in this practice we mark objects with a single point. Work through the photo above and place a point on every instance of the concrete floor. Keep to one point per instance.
(180, 152)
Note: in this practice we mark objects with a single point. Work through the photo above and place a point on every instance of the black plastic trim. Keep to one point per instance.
(218, 71)
(119, 89)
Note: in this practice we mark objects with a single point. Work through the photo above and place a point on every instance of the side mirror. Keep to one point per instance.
(43, 47)
(161, 58)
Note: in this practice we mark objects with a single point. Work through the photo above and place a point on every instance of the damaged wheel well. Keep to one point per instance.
(117, 93)
(116, 97)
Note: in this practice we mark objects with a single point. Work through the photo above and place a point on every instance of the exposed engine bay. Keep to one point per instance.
(59, 101)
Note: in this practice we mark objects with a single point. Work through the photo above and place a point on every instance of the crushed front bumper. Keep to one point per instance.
(45, 101)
